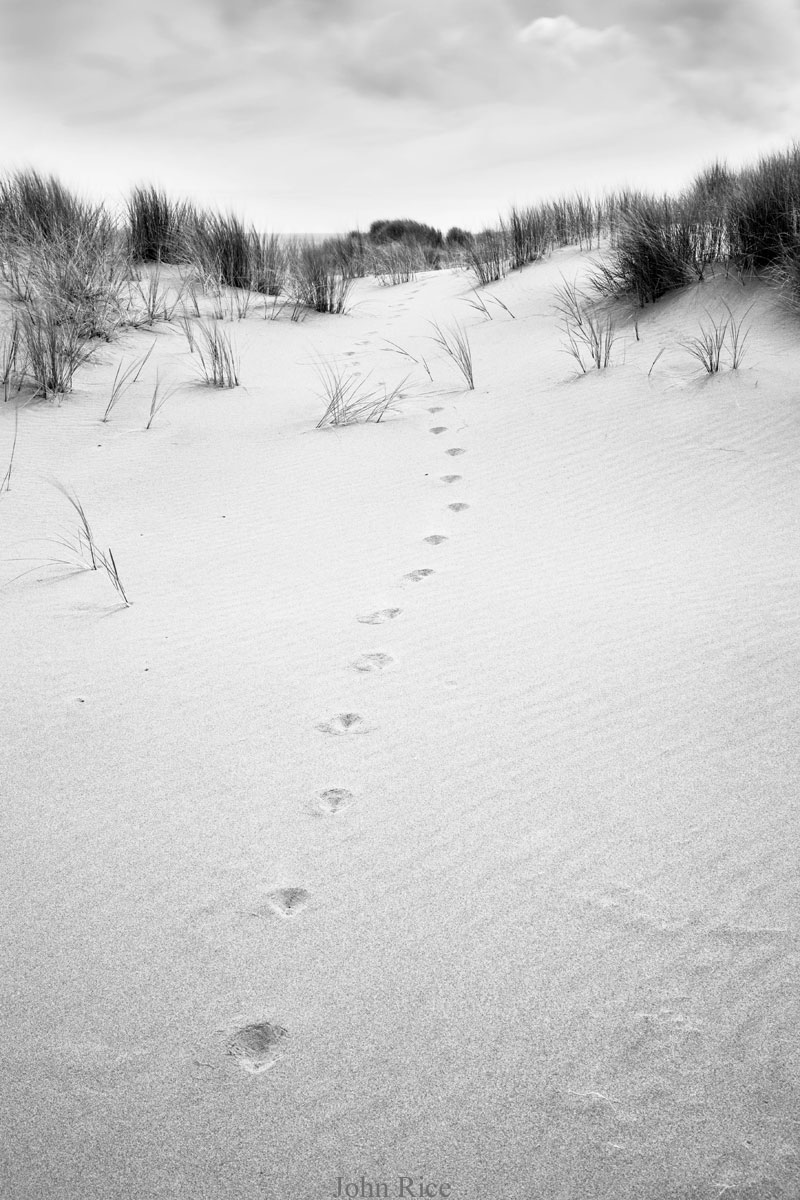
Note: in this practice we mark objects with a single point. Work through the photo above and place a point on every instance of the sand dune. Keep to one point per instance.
(431, 812)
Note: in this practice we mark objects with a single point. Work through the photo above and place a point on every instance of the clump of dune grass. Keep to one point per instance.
(528, 234)
(784, 273)
(269, 263)
(156, 303)
(221, 244)
(34, 206)
(590, 335)
(158, 228)
(455, 343)
(654, 252)
(707, 347)
(83, 278)
(348, 397)
(321, 276)
(219, 361)
(397, 262)
(487, 255)
(55, 346)
(125, 378)
(764, 209)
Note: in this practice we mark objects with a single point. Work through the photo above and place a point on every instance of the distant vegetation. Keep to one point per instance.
(73, 274)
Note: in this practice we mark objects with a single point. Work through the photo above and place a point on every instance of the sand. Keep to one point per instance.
(427, 824)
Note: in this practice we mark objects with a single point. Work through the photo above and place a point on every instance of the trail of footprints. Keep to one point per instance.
(258, 1047)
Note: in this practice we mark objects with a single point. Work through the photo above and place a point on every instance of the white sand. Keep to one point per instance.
(549, 945)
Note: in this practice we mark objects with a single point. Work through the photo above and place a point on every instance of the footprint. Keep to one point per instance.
(459, 506)
(436, 408)
(333, 801)
(377, 618)
(344, 723)
(421, 573)
(435, 539)
(256, 1048)
(288, 901)
(454, 450)
(451, 478)
(438, 429)
(376, 661)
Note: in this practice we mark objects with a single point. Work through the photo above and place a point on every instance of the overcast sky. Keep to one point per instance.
(324, 115)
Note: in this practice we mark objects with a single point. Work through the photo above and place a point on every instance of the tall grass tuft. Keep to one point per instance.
(487, 255)
(219, 363)
(655, 251)
(590, 335)
(56, 345)
(35, 207)
(159, 229)
(321, 275)
(707, 347)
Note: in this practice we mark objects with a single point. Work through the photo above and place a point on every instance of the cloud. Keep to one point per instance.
(499, 94)
(566, 37)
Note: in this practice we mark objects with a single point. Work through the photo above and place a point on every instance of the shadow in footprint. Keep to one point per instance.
(333, 801)
(378, 618)
(375, 661)
(438, 429)
(455, 450)
(421, 573)
(451, 478)
(344, 724)
(435, 539)
(436, 408)
(288, 901)
(459, 506)
(256, 1048)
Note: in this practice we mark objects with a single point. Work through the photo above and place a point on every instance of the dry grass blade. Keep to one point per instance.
(5, 485)
(394, 348)
(655, 360)
(11, 369)
(110, 567)
(159, 399)
(738, 337)
(125, 379)
(85, 536)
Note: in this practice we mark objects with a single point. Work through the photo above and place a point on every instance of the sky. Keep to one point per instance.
(319, 116)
